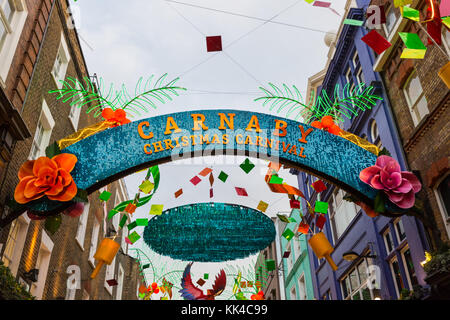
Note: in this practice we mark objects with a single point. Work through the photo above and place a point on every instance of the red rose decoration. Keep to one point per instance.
(327, 124)
(117, 117)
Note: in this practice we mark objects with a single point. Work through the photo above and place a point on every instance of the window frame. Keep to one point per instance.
(405, 267)
(120, 277)
(75, 109)
(390, 9)
(63, 53)
(334, 213)
(413, 107)
(391, 268)
(302, 279)
(94, 242)
(440, 201)
(360, 285)
(395, 223)
(109, 275)
(82, 223)
(386, 232)
(46, 123)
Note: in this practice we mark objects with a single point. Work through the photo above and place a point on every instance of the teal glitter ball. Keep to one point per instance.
(209, 232)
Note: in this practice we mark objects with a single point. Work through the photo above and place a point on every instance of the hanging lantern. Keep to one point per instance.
(322, 248)
(105, 254)
(444, 74)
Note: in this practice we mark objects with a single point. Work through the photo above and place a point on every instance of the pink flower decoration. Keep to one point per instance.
(399, 186)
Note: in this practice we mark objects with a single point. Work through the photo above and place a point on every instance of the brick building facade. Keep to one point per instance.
(39, 48)
(420, 101)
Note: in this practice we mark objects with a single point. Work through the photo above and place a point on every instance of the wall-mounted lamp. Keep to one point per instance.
(32, 275)
(352, 256)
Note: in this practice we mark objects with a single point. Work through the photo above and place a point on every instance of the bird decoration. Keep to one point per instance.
(191, 292)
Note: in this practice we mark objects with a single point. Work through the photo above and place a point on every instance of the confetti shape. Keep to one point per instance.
(309, 1)
(247, 166)
(295, 204)
(415, 49)
(411, 13)
(128, 241)
(376, 41)
(353, 22)
(211, 192)
(178, 193)
(223, 176)
(142, 222)
(241, 192)
(205, 172)
(146, 266)
(288, 234)
(112, 213)
(283, 218)
(156, 209)
(112, 282)
(243, 284)
(206, 276)
(291, 219)
(270, 265)
(195, 180)
(446, 21)
(276, 180)
(214, 43)
(322, 4)
(201, 282)
(134, 237)
(211, 179)
(146, 187)
(262, 206)
(303, 228)
(249, 284)
(286, 254)
(320, 221)
(319, 186)
(321, 207)
(105, 195)
(401, 3)
(130, 208)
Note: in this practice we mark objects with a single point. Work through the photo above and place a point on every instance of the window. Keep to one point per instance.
(297, 248)
(375, 134)
(120, 283)
(75, 110)
(443, 199)
(288, 259)
(61, 62)
(415, 98)
(391, 19)
(343, 215)
(357, 68)
(15, 243)
(395, 271)
(43, 132)
(400, 231)
(110, 275)
(13, 14)
(115, 219)
(302, 287)
(123, 243)
(355, 284)
(82, 222)
(388, 243)
(411, 273)
(43, 261)
(94, 242)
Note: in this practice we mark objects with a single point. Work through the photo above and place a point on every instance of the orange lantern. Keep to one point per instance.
(105, 254)
(322, 248)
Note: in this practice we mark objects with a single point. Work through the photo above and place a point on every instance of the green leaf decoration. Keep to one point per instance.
(53, 223)
(52, 150)
(346, 102)
(146, 94)
(384, 152)
(379, 205)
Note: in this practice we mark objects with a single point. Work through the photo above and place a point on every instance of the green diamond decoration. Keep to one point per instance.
(321, 207)
(288, 234)
(223, 176)
(132, 225)
(283, 218)
(156, 209)
(142, 222)
(112, 213)
(206, 276)
(105, 195)
(247, 166)
(276, 180)
(146, 187)
(134, 237)
(123, 221)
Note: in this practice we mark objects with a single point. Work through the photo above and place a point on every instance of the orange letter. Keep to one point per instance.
(280, 125)
(147, 151)
(223, 119)
(253, 124)
(198, 119)
(304, 134)
(141, 132)
(171, 124)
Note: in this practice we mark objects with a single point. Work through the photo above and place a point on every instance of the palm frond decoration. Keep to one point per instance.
(347, 102)
(146, 94)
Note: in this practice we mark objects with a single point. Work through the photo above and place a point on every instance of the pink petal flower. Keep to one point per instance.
(382, 161)
(390, 180)
(392, 166)
(416, 185)
(407, 201)
(394, 196)
(404, 187)
(376, 183)
(367, 174)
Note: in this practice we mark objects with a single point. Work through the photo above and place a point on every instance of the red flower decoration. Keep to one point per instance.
(327, 124)
(118, 117)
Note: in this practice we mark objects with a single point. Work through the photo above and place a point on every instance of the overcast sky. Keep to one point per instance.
(126, 40)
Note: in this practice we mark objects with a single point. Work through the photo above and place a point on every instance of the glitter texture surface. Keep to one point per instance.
(209, 232)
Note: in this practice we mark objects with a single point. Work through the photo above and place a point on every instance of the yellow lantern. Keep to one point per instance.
(105, 254)
(322, 248)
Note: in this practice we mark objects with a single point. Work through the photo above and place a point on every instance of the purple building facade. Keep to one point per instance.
(390, 248)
